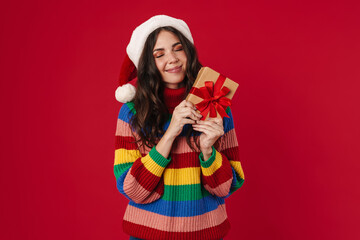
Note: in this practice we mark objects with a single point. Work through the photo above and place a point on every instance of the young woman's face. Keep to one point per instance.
(170, 59)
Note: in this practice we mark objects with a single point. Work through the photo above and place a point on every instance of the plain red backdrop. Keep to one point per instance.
(296, 113)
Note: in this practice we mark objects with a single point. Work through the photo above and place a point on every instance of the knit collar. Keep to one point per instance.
(173, 97)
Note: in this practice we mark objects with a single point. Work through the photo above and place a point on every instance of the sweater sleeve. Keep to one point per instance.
(139, 178)
(222, 173)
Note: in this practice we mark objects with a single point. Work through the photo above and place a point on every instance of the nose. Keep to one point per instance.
(172, 57)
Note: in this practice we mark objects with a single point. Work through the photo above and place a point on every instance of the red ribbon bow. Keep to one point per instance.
(213, 98)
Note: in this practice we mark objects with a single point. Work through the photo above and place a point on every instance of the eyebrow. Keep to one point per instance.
(159, 49)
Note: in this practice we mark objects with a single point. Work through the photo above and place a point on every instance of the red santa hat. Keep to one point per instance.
(126, 91)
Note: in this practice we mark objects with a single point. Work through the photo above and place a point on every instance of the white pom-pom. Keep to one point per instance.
(125, 93)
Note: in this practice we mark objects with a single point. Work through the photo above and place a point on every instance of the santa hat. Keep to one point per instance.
(126, 91)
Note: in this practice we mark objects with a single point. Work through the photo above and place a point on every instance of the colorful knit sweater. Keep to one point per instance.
(179, 197)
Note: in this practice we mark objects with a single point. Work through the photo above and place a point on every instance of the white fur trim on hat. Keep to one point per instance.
(125, 93)
(141, 33)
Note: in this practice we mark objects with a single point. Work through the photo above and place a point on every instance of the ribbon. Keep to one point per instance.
(214, 99)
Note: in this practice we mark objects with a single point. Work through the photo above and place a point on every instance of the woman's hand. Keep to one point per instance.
(184, 113)
(211, 130)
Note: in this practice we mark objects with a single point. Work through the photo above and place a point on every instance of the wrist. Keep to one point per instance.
(168, 137)
(206, 153)
(164, 145)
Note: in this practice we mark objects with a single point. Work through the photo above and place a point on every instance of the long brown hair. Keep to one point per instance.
(151, 112)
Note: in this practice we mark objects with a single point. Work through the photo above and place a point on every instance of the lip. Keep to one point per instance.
(174, 70)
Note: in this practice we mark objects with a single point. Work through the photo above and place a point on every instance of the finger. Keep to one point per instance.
(216, 120)
(190, 113)
(196, 113)
(206, 131)
(182, 104)
(209, 123)
(187, 121)
(193, 117)
(186, 105)
(189, 104)
(215, 131)
(189, 116)
(209, 129)
(210, 134)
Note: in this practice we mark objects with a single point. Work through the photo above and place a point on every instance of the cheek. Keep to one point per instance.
(183, 57)
(159, 64)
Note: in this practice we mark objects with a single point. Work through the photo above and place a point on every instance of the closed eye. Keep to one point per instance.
(178, 47)
(159, 53)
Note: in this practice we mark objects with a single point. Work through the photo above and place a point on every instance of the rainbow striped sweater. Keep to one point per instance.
(179, 197)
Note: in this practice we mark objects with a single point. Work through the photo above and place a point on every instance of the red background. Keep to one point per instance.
(296, 112)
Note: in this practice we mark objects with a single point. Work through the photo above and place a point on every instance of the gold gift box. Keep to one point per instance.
(208, 74)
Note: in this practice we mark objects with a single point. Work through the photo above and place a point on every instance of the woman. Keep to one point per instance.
(175, 169)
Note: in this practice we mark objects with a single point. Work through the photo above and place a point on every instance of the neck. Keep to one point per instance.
(173, 97)
(175, 85)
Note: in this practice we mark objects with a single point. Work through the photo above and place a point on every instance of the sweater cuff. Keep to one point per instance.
(158, 158)
(210, 161)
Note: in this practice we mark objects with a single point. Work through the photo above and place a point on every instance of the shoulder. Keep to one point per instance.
(127, 110)
(228, 121)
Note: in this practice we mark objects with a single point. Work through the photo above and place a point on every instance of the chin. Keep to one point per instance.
(175, 80)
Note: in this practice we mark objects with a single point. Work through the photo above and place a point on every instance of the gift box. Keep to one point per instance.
(212, 93)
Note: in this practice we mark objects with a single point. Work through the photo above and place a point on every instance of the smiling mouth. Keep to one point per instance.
(174, 70)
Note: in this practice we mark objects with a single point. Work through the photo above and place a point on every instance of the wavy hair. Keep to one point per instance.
(151, 112)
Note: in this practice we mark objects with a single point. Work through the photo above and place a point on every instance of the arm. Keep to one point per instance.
(222, 173)
(138, 177)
